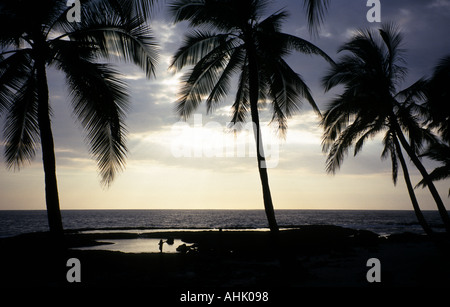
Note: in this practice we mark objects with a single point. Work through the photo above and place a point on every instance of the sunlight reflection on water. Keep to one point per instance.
(145, 245)
(135, 246)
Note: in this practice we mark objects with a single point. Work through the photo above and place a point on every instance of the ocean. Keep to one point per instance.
(382, 222)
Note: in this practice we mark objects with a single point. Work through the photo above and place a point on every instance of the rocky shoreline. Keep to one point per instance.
(308, 256)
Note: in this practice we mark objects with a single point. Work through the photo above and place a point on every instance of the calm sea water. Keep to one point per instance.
(14, 222)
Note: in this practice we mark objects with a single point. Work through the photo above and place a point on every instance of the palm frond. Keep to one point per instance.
(241, 105)
(202, 79)
(188, 10)
(115, 38)
(304, 46)
(438, 151)
(100, 102)
(315, 10)
(280, 117)
(14, 72)
(18, 100)
(221, 88)
(127, 10)
(214, 14)
(389, 149)
(339, 148)
(21, 127)
(370, 131)
(273, 23)
(217, 14)
(196, 45)
(394, 163)
(439, 97)
(287, 88)
(338, 115)
(392, 37)
(439, 173)
(341, 73)
(415, 93)
(411, 124)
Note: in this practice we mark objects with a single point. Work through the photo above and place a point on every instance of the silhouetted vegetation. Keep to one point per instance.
(371, 103)
(36, 35)
(232, 37)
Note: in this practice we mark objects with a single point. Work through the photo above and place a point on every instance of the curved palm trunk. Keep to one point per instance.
(254, 95)
(441, 208)
(48, 153)
(410, 188)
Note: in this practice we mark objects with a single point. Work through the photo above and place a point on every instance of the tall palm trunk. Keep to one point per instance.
(254, 95)
(441, 208)
(410, 188)
(48, 153)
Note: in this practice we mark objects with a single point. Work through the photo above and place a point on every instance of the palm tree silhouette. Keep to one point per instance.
(370, 104)
(35, 35)
(438, 117)
(438, 97)
(233, 38)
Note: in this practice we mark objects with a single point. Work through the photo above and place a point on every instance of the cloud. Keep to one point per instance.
(151, 162)
(440, 4)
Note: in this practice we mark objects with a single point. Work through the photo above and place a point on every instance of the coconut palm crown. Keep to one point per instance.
(235, 38)
(371, 103)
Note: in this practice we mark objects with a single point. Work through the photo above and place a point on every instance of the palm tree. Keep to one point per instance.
(370, 104)
(235, 39)
(438, 117)
(36, 35)
(438, 98)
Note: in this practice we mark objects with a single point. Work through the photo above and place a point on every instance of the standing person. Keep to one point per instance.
(161, 242)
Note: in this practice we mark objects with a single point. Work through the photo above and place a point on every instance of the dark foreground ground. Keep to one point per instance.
(312, 256)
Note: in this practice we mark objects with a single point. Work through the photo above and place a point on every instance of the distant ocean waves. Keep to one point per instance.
(14, 222)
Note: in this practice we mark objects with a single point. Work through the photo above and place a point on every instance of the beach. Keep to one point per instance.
(308, 256)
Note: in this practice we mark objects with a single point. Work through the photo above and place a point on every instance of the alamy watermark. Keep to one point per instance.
(74, 13)
(223, 141)
(374, 13)
(74, 273)
(374, 273)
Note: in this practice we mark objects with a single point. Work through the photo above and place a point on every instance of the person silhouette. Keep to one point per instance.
(161, 242)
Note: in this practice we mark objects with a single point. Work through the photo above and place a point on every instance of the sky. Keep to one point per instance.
(199, 165)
